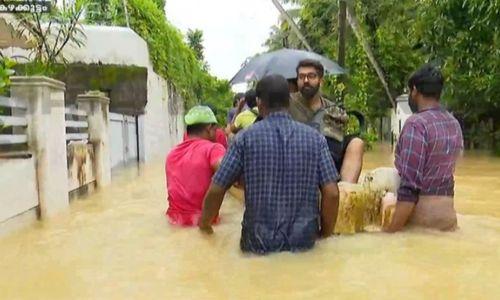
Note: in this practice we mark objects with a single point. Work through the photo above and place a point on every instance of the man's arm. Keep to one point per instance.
(216, 165)
(329, 208)
(401, 216)
(211, 207)
(229, 170)
(328, 177)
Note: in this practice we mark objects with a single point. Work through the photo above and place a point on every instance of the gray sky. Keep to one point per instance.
(233, 29)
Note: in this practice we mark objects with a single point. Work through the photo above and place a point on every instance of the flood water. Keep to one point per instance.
(116, 244)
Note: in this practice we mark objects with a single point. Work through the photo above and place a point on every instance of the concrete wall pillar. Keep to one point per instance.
(46, 133)
(96, 104)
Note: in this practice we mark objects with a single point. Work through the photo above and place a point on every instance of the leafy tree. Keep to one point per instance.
(195, 41)
(282, 36)
(160, 4)
(6, 70)
(99, 12)
(462, 37)
(50, 34)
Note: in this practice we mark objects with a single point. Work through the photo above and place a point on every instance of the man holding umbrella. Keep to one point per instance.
(309, 107)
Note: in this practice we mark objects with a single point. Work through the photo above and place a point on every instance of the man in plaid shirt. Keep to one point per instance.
(284, 164)
(426, 153)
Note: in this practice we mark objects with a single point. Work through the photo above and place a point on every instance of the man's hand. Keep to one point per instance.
(211, 207)
(402, 214)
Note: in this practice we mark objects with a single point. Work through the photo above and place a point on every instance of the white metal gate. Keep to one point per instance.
(124, 139)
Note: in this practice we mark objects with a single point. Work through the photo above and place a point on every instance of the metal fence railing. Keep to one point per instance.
(76, 125)
(13, 123)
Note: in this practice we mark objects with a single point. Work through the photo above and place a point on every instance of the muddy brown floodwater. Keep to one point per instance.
(116, 244)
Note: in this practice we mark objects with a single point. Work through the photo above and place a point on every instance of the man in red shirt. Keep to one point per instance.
(190, 166)
(220, 135)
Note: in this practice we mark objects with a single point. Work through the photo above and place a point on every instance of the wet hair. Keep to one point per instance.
(311, 63)
(251, 98)
(196, 128)
(272, 90)
(428, 80)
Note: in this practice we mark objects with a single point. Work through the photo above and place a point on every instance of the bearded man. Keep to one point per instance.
(309, 107)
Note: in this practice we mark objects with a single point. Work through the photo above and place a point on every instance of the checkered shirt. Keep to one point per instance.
(283, 164)
(426, 153)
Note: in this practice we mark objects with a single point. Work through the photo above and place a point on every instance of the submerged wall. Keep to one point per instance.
(18, 186)
(162, 125)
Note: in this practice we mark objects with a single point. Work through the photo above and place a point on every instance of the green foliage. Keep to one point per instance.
(160, 4)
(463, 37)
(282, 36)
(6, 70)
(100, 12)
(195, 42)
(50, 34)
(171, 57)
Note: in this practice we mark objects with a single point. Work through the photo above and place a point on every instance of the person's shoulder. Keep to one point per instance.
(306, 129)
(426, 117)
(198, 143)
(177, 149)
(449, 115)
(454, 119)
(255, 128)
(208, 148)
(416, 118)
(416, 121)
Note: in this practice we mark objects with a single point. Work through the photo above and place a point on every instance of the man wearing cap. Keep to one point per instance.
(309, 107)
(285, 165)
(220, 135)
(190, 167)
(427, 151)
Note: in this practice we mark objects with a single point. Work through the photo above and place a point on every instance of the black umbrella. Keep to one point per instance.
(282, 62)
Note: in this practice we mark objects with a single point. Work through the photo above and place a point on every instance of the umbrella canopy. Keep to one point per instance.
(282, 62)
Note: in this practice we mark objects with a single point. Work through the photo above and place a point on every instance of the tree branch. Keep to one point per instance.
(353, 22)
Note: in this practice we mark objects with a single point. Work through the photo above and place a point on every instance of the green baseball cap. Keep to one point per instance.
(200, 114)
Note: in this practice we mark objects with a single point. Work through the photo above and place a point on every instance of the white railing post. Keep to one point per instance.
(96, 104)
(46, 134)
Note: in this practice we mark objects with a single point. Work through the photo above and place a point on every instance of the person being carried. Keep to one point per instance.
(284, 165)
(309, 107)
(246, 118)
(199, 155)
(428, 148)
